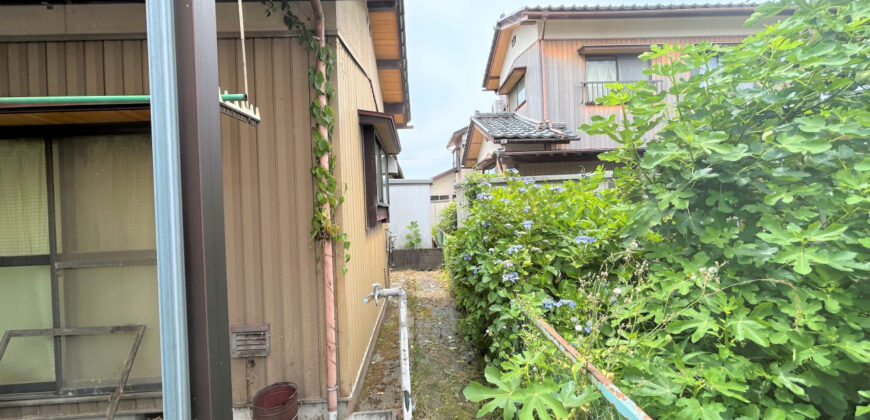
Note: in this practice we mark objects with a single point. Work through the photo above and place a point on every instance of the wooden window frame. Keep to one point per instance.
(57, 261)
(376, 212)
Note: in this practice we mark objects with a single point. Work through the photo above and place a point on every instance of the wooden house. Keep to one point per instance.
(77, 231)
(550, 64)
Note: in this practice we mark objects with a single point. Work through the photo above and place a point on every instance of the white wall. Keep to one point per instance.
(409, 201)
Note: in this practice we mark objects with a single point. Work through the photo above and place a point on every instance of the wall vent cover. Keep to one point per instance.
(250, 340)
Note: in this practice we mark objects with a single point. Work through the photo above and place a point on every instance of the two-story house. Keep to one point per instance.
(549, 65)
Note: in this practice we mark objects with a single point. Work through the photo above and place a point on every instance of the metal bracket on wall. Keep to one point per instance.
(240, 110)
(139, 330)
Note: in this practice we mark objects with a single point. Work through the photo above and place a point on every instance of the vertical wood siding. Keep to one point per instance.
(268, 195)
(565, 76)
(268, 188)
(368, 264)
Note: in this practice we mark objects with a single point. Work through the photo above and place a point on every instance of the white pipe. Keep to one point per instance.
(405, 362)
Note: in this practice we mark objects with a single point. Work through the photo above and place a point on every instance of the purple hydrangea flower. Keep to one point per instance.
(466, 257)
(528, 180)
(548, 304)
(568, 302)
(528, 224)
(582, 239)
(484, 196)
(588, 330)
(514, 249)
(511, 277)
(476, 270)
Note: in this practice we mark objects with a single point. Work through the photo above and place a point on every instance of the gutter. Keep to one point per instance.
(328, 268)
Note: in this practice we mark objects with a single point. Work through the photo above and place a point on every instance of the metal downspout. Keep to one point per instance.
(328, 269)
(167, 203)
(546, 118)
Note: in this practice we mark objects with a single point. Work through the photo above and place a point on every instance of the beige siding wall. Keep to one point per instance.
(368, 263)
(73, 68)
(268, 193)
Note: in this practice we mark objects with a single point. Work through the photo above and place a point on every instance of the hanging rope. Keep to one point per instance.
(244, 55)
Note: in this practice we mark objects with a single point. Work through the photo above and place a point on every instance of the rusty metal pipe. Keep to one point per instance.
(326, 243)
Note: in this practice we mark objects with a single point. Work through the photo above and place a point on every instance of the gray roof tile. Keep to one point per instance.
(509, 126)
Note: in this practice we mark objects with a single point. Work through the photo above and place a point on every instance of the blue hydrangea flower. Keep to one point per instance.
(589, 323)
(568, 302)
(527, 209)
(512, 171)
(508, 225)
(507, 263)
(582, 239)
(514, 249)
(557, 189)
(522, 189)
(505, 201)
(548, 304)
(511, 277)
(588, 330)
(484, 196)
(536, 186)
(527, 224)
(598, 195)
(466, 257)
(528, 180)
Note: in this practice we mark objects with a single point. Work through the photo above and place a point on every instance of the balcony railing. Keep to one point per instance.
(594, 90)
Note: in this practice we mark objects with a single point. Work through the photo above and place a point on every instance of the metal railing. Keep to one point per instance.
(594, 90)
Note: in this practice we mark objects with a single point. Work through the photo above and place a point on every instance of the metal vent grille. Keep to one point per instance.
(250, 340)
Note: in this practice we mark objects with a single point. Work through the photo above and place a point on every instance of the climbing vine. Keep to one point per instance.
(323, 227)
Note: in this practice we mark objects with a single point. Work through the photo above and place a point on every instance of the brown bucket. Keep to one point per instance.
(276, 402)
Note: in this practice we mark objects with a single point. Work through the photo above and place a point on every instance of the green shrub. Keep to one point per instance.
(730, 280)
(758, 186)
(413, 238)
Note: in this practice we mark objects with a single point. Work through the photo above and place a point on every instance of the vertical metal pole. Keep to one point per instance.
(407, 407)
(203, 209)
(167, 201)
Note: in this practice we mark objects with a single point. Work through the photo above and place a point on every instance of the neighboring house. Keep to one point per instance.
(77, 231)
(410, 203)
(550, 64)
(443, 189)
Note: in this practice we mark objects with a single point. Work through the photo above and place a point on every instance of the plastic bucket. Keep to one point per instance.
(276, 402)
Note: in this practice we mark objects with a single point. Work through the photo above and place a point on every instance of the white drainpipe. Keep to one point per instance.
(377, 292)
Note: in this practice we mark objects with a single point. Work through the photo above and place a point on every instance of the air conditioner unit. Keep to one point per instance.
(499, 105)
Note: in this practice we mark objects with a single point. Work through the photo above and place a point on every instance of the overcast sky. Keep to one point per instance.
(447, 45)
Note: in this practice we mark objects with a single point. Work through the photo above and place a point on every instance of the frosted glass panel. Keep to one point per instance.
(23, 198)
(25, 303)
(95, 297)
(106, 193)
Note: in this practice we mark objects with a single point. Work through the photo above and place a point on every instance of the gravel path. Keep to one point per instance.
(442, 364)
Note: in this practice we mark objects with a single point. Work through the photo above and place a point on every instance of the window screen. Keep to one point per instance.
(104, 260)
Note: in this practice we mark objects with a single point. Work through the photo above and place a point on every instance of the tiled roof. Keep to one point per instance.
(509, 126)
(635, 5)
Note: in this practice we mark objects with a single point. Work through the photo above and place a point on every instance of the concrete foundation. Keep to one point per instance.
(416, 259)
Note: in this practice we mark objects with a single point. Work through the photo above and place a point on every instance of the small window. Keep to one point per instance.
(518, 94)
(605, 69)
(377, 177)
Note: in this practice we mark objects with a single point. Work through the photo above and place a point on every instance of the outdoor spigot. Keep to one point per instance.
(376, 288)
